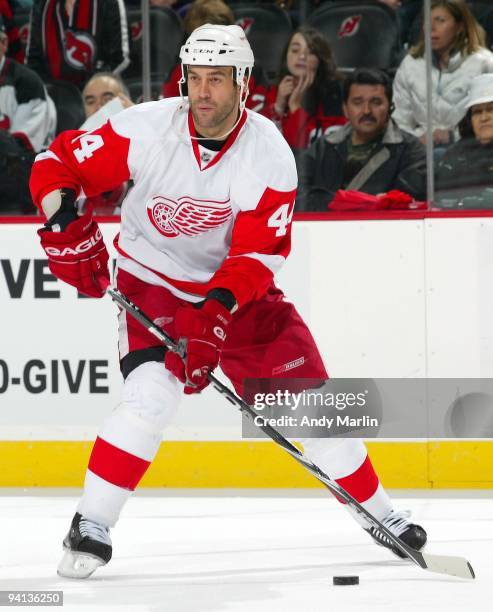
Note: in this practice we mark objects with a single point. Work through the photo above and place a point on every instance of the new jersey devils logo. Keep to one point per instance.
(80, 50)
(349, 26)
(187, 216)
(136, 30)
(246, 24)
(24, 33)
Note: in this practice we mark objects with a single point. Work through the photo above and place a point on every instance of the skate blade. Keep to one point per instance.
(78, 565)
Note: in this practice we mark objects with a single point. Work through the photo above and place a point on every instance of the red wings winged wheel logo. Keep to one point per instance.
(187, 216)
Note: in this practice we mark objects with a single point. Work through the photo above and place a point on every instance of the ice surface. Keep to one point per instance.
(249, 552)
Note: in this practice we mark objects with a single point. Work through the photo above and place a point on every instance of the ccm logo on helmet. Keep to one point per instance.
(82, 247)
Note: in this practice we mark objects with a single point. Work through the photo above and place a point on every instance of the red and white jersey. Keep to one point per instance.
(195, 219)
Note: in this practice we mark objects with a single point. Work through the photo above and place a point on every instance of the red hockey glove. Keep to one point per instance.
(77, 254)
(201, 331)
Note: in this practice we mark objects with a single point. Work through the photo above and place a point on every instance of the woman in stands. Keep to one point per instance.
(459, 54)
(307, 99)
(216, 12)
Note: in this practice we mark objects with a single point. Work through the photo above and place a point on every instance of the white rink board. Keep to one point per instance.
(383, 299)
(460, 297)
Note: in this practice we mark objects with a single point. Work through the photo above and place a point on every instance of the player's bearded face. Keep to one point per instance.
(214, 99)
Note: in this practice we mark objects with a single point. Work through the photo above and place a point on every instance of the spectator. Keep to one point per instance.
(215, 12)
(71, 39)
(26, 110)
(464, 177)
(370, 154)
(307, 100)
(459, 55)
(101, 88)
(16, 50)
(27, 125)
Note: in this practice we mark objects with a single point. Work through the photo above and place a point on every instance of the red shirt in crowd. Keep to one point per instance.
(300, 129)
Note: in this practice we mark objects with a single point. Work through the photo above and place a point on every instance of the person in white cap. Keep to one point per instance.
(464, 177)
(204, 229)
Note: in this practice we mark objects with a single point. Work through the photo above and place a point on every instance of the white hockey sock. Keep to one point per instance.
(102, 501)
(128, 441)
(347, 461)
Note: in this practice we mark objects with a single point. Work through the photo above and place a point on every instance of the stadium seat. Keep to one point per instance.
(479, 7)
(483, 11)
(21, 20)
(135, 88)
(166, 39)
(361, 34)
(268, 29)
(69, 105)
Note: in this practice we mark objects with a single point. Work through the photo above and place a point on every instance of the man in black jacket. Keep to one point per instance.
(369, 154)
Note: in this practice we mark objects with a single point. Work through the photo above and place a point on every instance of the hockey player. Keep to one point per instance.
(204, 229)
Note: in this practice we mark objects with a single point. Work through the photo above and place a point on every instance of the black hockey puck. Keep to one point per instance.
(342, 580)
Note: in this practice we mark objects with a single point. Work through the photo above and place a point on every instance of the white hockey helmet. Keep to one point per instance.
(219, 45)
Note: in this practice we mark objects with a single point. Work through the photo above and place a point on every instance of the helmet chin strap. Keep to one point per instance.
(244, 91)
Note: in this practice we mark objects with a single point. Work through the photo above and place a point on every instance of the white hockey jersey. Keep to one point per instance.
(26, 109)
(195, 219)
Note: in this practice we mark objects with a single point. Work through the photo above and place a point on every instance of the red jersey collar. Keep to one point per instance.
(227, 145)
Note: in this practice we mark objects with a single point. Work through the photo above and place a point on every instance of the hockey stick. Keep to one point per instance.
(442, 564)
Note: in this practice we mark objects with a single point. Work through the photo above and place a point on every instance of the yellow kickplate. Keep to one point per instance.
(245, 464)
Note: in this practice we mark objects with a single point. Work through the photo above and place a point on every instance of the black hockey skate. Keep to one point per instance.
(397, 523)
(87, 546)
